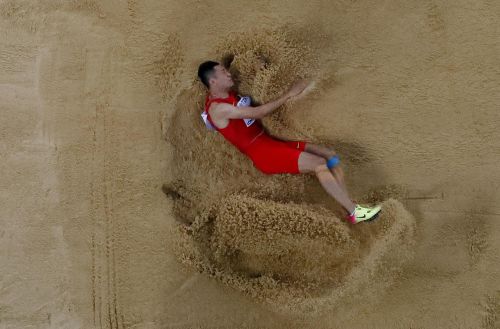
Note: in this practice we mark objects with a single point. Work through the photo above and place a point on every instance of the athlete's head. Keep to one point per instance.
(214, 75)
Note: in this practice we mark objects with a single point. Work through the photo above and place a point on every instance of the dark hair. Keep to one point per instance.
(205, 70)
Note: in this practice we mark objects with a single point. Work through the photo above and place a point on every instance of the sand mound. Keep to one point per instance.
(265, 235)
(294, 256)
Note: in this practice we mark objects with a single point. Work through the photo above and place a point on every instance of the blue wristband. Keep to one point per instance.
(333, 161)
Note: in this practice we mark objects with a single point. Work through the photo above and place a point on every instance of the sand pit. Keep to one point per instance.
(283, 248)
(120, 210)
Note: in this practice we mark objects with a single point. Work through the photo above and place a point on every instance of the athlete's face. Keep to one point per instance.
(221, 77)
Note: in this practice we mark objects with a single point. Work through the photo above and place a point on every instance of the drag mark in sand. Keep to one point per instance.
(104, 290)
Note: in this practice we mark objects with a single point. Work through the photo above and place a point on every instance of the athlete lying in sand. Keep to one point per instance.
(239, 123)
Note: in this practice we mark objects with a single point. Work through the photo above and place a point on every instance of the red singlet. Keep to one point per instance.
(268, 154)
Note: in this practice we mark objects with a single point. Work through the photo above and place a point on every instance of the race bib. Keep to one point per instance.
(244, 102)
(204, 116)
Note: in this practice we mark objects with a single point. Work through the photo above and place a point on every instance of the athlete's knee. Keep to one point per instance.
(320, 166)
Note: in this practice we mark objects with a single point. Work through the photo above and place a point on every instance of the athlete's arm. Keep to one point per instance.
(228, 111)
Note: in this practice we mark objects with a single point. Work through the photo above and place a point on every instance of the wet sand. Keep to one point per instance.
(120, 210)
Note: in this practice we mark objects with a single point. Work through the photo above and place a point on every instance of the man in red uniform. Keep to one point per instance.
(241, 126)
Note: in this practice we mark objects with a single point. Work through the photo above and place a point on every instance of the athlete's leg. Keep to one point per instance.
(309, 162)
(327, 153)
(319, 150)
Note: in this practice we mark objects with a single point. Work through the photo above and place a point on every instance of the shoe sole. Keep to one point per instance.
(372, 218)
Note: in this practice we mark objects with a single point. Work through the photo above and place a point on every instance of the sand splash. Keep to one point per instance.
(264, 235)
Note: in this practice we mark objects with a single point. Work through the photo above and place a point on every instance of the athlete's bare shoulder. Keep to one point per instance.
(218, 110)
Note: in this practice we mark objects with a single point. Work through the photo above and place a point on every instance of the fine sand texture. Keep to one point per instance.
(119, 209)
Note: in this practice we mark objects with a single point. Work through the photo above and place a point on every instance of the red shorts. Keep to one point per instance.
(274, 156)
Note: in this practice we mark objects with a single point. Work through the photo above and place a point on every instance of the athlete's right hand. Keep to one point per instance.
(297, 88)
